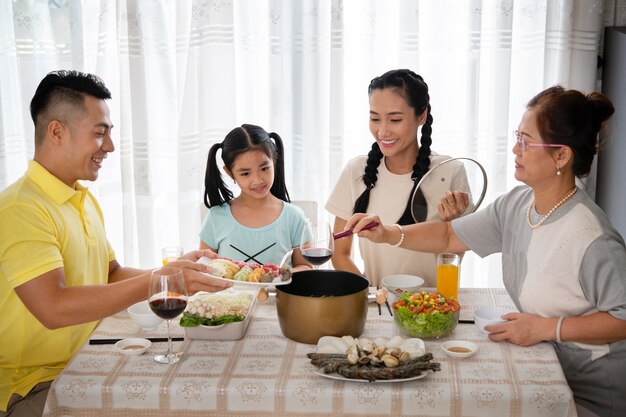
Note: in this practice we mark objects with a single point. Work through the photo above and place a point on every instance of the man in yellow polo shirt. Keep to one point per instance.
(58, 273)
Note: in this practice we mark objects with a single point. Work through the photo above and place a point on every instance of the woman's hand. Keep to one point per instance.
(453, 205)
(523, 329)
(377, 234)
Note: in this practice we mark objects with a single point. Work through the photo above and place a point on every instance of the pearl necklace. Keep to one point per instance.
(544, 218)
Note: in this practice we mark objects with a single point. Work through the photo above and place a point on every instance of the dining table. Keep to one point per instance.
(266, 374)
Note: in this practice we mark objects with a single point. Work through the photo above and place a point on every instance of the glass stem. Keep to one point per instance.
(169, 343)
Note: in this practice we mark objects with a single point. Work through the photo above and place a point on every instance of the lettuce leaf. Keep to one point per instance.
(435, 324)
(191, 320)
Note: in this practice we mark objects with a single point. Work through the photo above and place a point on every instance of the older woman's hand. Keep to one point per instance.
(523, 329)
(453, 205)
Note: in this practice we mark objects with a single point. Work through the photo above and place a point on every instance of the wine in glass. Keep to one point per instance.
(317, 243)
(167, 299)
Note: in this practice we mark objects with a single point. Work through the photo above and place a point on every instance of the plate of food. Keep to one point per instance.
(247, 274)
(223, 315)
(379, 360)
(358, 379)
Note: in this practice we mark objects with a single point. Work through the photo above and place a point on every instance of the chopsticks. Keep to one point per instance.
(350, 231)
(114, 341)
(388, 308)
(251, 257)
(380, 313)
(466, 321)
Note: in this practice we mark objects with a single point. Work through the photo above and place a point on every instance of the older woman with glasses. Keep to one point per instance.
(563, 263)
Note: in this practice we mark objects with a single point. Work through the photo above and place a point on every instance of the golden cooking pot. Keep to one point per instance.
(320, 303)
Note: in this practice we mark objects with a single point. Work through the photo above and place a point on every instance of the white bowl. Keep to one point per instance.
(459, 348)
(399, 284)
(132, 346)
(141, 314)
(486, 316)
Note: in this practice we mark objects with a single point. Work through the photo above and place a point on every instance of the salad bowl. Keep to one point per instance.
(426, 315)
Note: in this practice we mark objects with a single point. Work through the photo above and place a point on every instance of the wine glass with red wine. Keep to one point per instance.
(317, 243)
(167, 299)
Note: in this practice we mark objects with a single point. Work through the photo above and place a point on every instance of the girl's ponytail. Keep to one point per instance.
(216, 192)
(279, 188)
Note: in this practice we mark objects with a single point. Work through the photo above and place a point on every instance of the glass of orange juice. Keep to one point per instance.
(448, 274)
(171, 253)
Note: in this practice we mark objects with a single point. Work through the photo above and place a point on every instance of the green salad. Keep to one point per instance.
(191, 320)
(426, 315)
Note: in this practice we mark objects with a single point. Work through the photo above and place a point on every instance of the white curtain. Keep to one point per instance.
(185, 72)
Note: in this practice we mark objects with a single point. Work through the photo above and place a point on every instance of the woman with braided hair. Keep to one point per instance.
(384, 181)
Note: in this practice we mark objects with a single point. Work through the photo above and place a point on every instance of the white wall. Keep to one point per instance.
(611, 190)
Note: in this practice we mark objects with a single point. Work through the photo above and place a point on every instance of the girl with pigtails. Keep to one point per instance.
(259, 225)
(384, 181)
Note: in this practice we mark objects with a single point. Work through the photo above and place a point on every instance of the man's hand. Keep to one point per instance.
(196, 278)
(194, 255)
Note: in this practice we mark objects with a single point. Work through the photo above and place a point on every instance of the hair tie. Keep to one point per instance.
(272, 137)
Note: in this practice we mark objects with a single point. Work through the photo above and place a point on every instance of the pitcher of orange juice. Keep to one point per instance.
(448, 274)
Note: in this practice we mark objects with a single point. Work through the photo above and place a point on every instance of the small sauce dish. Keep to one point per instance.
(459, 348)
(132, 346)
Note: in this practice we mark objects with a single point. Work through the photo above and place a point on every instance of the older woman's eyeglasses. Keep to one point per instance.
(519, 137)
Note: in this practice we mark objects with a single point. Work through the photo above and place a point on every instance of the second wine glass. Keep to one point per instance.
(167, 299)
(317, 243)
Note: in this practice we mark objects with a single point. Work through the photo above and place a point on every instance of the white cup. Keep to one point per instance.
(486, 316)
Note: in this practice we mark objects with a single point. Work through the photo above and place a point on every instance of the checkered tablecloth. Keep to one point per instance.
(265, 374)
